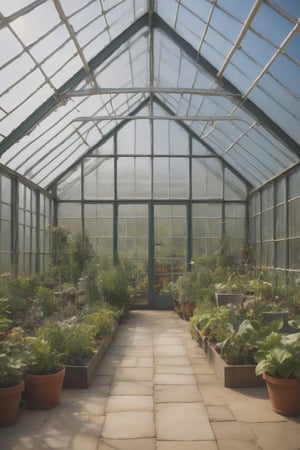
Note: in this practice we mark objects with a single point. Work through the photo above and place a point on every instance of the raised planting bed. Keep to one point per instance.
(201, 339)
(235, 375)
(80, 377)
(223, 298)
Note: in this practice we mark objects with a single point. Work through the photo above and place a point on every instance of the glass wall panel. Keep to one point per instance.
(235, 227)
(206, 228)
(234, 188)
(198, 149)
(69, 216)
(134, 138)
(133, 178)
(98, 224)
(133, 243)
(207, 178)
(99, 178)
(5, 224)
(27, 237)
(294, 219)
(107, 148)
(170, 138)
(69, 187)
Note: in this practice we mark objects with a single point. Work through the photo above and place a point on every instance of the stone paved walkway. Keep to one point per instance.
(155, 390)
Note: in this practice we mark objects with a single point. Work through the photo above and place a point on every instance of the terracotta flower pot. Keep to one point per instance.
(10, 398)
(284, 394)
(44, 391)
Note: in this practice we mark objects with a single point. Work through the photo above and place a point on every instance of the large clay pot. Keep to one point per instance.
(10, 398)
(284, 394)
(44, 391)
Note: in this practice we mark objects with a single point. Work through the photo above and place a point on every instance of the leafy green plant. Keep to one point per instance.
(113, 286)
(14, 358)
(82, 255)
(78, 343)
(45, 301)
(279, 355)
(5, 322)
(215, 323)
(103, 320)
(240, 345)
(44, 359)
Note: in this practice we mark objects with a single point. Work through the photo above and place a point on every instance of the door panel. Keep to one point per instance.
(133, 248)
(170, 249)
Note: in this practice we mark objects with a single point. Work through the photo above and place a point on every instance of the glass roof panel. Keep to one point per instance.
(50, 48)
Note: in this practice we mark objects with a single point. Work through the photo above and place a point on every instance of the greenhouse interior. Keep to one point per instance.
(150, 148)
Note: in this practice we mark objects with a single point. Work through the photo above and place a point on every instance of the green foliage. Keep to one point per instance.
(113, 286)
(45, 359)
(53, 333)
(279, 355)
(79, 343)
(82, 255)
(14, 358)
(18, 291)
(214, 323)
(240, 345)
(5, 322)
(45, 301)
(61, 254)
(103, 320)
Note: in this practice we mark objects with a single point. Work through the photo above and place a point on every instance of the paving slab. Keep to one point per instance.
(234, 431)
(138, 350)
(185, 370)
(134, 374)
(170, 350)
(129, 425)
(186, 445)
(284, 435)
(176, 393)
(232, 444)
(132, 388)
(171, 360)
(182, 422)
(219, 414)
(126, 444)
(165, 378)
(129, 403)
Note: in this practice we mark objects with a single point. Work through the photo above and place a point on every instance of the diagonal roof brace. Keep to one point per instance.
(53, 102)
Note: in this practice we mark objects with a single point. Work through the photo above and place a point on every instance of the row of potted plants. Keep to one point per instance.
(37, 364)
(249, 342)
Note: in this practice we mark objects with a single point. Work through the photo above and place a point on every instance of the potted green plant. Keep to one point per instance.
(278, 360)
(45, 375)
(13, 362)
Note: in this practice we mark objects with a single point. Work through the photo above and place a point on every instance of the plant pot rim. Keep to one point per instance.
(279, 380)
(42, 374)
(13, 387)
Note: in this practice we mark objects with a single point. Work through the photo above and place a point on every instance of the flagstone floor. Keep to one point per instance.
(155, 390)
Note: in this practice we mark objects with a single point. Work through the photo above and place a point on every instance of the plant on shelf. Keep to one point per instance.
(278, 361)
